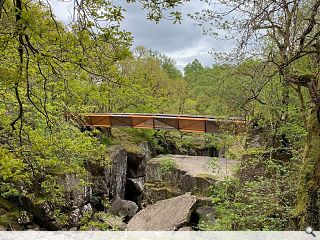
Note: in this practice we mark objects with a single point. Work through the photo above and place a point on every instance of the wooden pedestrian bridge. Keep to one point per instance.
(183, 123)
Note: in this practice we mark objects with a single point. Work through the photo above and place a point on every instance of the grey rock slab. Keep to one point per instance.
(200, 165)
(165, 215)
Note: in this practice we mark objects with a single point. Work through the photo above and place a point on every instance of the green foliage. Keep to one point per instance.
(167, 64)
(85, 219)
(9, 218)
(12, 172)
(213, 163)
(235, 147)
(194, 67)
(97, 222)
(168, 165)
(252, 205)
(158, 10)
(261, 197)
(61, 218)
(44, 161)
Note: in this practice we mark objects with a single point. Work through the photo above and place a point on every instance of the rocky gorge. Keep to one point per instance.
(133, 191)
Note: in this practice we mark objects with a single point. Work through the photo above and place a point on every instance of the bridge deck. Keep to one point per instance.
(184, 123)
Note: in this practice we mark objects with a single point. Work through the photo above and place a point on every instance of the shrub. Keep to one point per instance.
(168, 165)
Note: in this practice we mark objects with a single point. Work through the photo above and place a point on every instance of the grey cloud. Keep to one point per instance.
(165, 36)
(182, 42)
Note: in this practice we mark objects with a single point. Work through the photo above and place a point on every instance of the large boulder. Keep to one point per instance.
(123, 208)
(165, 215)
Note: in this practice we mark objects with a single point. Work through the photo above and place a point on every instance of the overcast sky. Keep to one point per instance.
(183, 42)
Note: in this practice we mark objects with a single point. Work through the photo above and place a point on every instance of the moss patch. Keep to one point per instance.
(310, 175)
(206, 176)
(6, 204)
(161, 187)
(9, 218)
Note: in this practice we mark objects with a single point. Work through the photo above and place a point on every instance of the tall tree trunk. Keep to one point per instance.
(309, 188)
(1, 7)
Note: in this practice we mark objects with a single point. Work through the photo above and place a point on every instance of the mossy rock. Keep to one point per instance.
(161, 186)
(160, 191)
(132, 148)
(6, 204)
(9, 218)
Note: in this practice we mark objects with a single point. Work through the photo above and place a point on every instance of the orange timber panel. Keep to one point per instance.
(212, 126)
(142, 121)
(120, 121)
(192, 125)
(165, 123)
(98, 120)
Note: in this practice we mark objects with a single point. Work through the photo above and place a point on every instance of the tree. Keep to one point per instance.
(193, 67)
(46, 69)
(156, 83)
(285, 33)
(167, 63)
(47, 55)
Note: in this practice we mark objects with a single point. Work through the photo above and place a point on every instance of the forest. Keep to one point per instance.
(50, 69)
